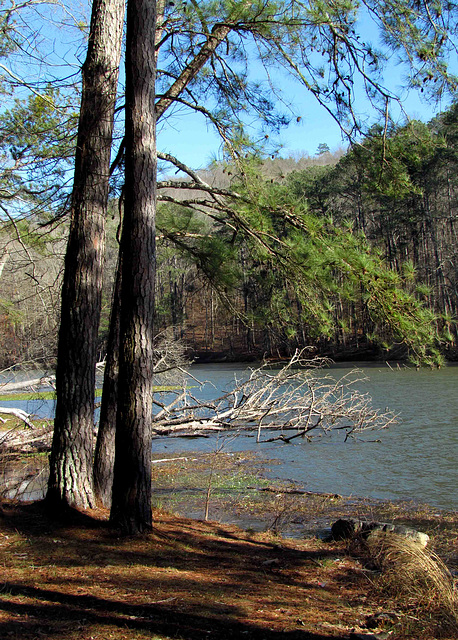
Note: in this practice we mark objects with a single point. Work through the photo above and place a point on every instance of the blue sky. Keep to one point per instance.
(187, 135)
(196, 144)
(189, 138)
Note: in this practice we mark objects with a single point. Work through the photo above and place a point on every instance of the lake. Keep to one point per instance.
(415, 460)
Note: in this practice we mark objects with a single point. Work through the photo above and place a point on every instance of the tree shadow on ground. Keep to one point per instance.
(56, 614)
(73, 577)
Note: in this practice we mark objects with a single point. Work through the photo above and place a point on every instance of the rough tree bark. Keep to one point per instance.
(104, 453)
(131, 501)
(105, 445)
(70, 481)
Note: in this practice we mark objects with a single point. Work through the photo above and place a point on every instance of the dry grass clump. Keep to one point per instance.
(418, 580)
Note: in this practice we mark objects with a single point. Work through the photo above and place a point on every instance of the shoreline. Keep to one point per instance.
(241, 495)
(234, 489)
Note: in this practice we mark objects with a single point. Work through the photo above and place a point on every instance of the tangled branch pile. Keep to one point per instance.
(298, 400)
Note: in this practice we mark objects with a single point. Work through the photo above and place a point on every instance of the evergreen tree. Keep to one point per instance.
(71, 462)
(131, 503)
(301, 266)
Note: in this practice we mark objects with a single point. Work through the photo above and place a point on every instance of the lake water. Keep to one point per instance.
(415, 460)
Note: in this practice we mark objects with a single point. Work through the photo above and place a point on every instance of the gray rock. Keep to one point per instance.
(343, 529)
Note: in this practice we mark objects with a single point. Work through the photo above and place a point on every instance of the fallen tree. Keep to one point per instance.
(7, 388)
(47, 380)
(16, 441)
(18, 413)
(297, 400)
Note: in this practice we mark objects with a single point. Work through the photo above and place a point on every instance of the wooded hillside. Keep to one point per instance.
(399, 191)
(224, 302)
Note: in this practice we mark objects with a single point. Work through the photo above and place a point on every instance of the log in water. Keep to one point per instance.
(415, 460)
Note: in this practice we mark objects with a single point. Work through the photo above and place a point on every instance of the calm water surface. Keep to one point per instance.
(416, 460)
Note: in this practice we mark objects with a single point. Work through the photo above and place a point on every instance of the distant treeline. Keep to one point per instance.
(225, 299)
(398, 187)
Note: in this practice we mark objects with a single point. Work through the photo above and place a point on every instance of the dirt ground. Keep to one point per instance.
(73, 578)
(188, 579)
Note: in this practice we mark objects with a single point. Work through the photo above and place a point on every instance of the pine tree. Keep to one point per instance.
(131, 502)
(70, 481)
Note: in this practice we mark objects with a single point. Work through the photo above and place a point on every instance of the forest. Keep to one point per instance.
(398, 192)
(107, 241)
(221, 301)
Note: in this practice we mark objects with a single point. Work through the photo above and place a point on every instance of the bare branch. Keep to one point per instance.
(294, 398)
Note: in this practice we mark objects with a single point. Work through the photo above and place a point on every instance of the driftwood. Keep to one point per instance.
(32, 384)
(27, 384)
(298, 400)
(301, 492)
(19, 440)
(9, 387)
(19, 413)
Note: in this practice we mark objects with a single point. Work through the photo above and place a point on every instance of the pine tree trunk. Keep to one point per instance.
(105, 445)
(131, 502)
(70, 482)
